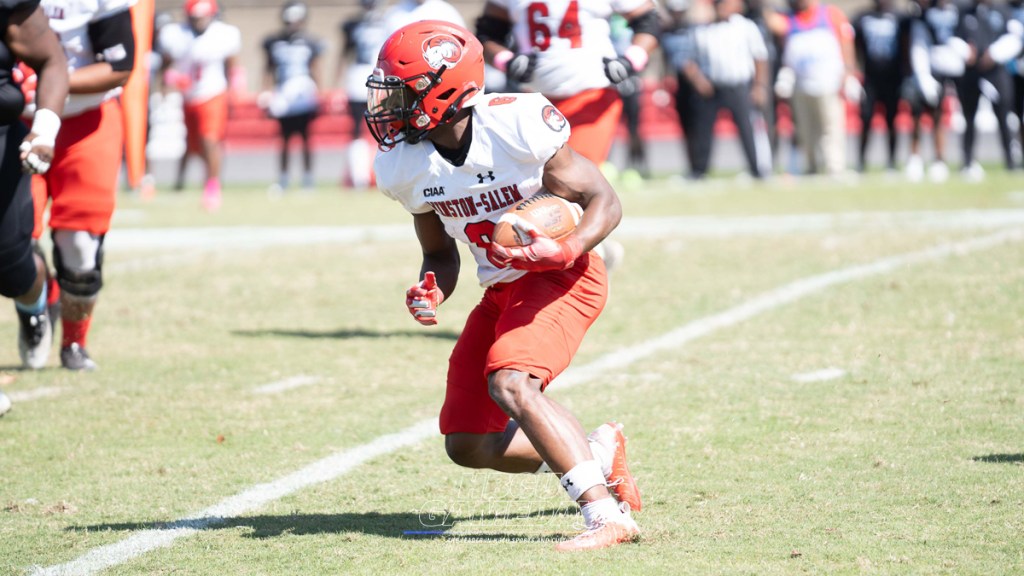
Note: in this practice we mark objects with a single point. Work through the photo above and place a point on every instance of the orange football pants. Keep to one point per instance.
(82, 181)
(206, 120)
(534, 324)
(593, 116)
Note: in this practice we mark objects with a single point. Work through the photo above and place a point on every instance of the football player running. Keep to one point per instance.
(563, 49)
(23, 151)
(457, 159)
(82, 182)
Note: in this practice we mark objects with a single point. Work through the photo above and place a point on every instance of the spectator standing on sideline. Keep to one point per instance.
(630, 90)
(81, 184)
(730, 71)
(27, 38)
(563, 50)
(760, 12)
(819, 68)
(877, 40)
(1016, 67)
(292, 72)
(361, 39)
(199, 58)
(937, 57)
(677, 44)
(995, 40)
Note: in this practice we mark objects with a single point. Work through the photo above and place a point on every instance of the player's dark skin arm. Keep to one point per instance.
(490, 46)
(573, 177)
(440, 252)
(30, 39)
(646, 41)
(97, 78)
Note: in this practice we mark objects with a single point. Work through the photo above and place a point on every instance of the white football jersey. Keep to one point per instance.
(571, 39)
(70, 19)
(514, 135)
(201, 57)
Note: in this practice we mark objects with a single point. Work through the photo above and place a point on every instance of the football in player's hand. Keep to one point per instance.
(552, 215)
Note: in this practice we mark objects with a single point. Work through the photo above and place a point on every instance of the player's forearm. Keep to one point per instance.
(446, 266)
(53, 84)
(97, 78)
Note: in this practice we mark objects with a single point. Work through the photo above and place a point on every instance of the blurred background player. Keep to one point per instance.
(937, 57)
(361, 39)
(199, 58)
(563, 49)
(819, 70)
(630, 90)
(408, 11)
(677, 44)
(27, 38)
(82, 181)
(877, 42)
(730, 71)
(994, 40)
(292, 72)
(437, 131)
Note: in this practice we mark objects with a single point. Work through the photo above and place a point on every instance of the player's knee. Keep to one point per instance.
(464, 449)
(511, 390)
(78, 257)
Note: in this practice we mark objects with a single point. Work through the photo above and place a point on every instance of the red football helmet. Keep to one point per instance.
(426, 72)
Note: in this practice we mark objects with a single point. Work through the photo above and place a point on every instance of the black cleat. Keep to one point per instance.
(35, 337)
(75, 357)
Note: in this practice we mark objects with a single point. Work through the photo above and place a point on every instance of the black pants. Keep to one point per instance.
(737, 100)
(968, 88)
(685, 101)
(17, 266)
(885, 90)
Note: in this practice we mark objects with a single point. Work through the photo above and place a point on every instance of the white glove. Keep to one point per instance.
(785, 83)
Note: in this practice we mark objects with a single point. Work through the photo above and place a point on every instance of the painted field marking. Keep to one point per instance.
(340, 463)
(18, 396)
(286, 384)
(823, 375)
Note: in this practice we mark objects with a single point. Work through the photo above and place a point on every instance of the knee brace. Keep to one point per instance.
(78, 258)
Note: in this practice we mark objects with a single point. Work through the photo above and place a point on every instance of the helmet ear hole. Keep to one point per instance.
(446, 95)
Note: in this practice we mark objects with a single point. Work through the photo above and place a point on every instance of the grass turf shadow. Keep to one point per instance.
(1000, 458)
(392, 525)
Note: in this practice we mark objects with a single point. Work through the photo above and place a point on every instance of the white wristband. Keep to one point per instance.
(46, 124)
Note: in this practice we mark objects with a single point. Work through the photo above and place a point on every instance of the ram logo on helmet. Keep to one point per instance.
(442, 50)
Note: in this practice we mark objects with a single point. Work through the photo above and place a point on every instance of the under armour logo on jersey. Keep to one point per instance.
(490, 174)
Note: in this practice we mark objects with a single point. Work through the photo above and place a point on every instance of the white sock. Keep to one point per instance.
(582, 477)
(597, 512)
(603, 457)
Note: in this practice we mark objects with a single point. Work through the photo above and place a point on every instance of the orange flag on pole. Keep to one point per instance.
(135, 97)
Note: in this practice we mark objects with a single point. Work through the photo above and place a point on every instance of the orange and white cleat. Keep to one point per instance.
(619, 480)
(605, 533)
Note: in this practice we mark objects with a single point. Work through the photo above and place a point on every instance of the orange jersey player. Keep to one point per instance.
(457, 159)
(82, 182)
(564, 51)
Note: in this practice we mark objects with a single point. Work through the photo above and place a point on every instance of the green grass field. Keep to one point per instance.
(909, 459)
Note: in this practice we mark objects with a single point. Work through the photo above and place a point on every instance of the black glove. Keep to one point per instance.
(618, 69)
(520, 68)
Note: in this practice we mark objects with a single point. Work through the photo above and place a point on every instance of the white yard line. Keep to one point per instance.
(19, 396)
(823, 375)
(126, 239)
(286, 384)
(341, 463)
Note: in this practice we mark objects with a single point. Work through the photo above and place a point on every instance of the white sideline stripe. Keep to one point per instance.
(823, 375)
(286, 384)
(126, 239)
(343, 462)
(35, 394)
